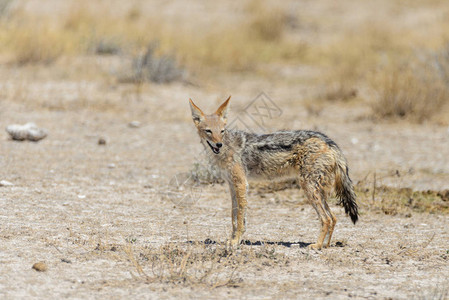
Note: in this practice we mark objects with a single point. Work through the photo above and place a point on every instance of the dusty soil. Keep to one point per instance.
(104, 221)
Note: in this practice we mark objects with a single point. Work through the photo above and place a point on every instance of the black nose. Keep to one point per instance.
(219, 145)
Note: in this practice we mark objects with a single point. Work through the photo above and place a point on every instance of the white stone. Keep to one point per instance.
(29, 131)
(5, 183)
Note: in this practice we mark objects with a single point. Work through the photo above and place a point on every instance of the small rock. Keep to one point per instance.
(29, 132)
(101, 141)
(65, 260)
(81, 196)
(134, 124)
(340, 244)
(40, 266)
(5, 183)
(111, 166)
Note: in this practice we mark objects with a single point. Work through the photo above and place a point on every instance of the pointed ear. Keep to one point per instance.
(222, 111)
(197, 113)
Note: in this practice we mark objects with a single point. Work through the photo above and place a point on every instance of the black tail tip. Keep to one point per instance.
(354, 218)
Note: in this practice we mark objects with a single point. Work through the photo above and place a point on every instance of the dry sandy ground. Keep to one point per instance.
(101, 217)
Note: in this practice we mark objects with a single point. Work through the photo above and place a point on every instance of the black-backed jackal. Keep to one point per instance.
(310, 156)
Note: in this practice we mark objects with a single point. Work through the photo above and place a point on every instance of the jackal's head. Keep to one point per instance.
(211, 128)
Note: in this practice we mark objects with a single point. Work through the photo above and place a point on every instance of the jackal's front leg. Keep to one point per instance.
(234, 209)
(238, 187)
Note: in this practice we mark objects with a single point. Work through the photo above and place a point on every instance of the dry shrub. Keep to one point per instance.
(40, 44)
(440, 61)
(148, 66)
(4, 8)
(266, 22)
(411, 90)
(349, 61)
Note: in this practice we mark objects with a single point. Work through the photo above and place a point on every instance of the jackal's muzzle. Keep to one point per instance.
(216, 148)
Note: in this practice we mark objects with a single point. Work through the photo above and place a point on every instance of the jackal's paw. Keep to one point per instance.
(314, 246)
(232, 243)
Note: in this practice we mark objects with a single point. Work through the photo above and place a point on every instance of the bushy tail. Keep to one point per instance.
(344, 188)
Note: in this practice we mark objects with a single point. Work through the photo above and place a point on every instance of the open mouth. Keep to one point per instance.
(214, 149)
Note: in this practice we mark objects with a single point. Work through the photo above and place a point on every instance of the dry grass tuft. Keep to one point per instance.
(350, 59)
(267, 23)
(412, 90)
(40, 44)
(199, 263)
(393, 201)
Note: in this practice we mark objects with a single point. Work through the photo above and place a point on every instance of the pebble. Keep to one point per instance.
(101, 141)
(5, 183)
(40, 266)
(134, 124)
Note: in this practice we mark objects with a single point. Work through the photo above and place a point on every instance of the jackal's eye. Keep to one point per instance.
(222, 131)
(208, 131)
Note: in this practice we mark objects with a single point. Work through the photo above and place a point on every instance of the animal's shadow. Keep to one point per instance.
(255, 243)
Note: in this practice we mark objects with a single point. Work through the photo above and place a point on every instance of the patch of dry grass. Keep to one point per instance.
(349, 61)
(376, 63)
(199, 263)
(266, 22)
(393, 201)
(409, 89)
(239, 46)
(37, 44)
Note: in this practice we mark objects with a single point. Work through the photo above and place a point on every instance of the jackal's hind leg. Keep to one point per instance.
(325, 226)
(317, 197)
(332, 224)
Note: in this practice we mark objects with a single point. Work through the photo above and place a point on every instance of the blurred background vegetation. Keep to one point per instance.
(390, 56)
